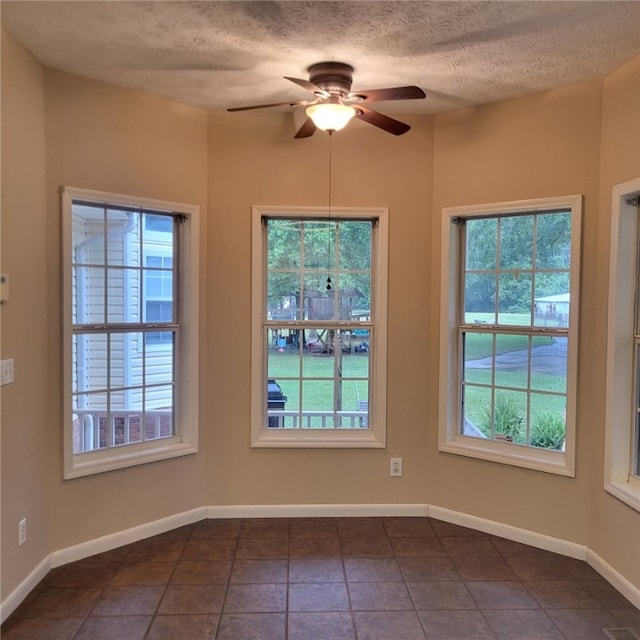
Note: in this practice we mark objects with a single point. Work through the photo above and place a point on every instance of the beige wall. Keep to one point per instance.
(538, 146)
(104, 138)
(26, 417)
(615, 527)
(255, 160)
(99, 137)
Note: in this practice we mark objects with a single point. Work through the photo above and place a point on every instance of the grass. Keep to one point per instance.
(480, 345)
(318, 387)
(316, 372)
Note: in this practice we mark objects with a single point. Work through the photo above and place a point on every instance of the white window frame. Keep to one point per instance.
(185, 439)
(621, 382)
(450, 440)
(375, 433)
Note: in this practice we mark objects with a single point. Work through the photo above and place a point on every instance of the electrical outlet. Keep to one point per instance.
(22, 531)
(395, 467)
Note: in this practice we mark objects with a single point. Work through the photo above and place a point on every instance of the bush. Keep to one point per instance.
(548, 430)
(508, 418)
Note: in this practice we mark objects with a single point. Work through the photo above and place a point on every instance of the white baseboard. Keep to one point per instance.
(114, 540)
(316, 510)
(120, 538)
(15, 598)
(531, 538)
(614, 578)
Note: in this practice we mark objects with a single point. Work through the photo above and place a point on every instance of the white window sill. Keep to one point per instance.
(505, 453)
(628, 492)
(295, 438)
(85, 464)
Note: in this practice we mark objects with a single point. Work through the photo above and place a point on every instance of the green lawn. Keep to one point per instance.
(318, 391)
(480, 345)
(317, 370)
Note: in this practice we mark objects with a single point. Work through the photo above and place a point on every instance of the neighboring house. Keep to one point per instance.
(139, 287)
(552, 310)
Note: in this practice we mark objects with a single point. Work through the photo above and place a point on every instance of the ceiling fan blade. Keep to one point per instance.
(309, 86)
(393, 93)
(377, 119)
(265, 106)
(306, 130)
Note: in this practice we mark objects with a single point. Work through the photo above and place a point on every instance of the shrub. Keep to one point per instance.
(548, 430)
(508, 418)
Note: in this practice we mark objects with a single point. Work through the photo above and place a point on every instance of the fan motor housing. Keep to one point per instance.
(333, 77)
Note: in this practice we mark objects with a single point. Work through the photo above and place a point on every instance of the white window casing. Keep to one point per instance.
(450, 436)
(184, 438)
(621, 374)
(374, 432)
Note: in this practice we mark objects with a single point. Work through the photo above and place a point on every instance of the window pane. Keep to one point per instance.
(88, 303)
(90, 362)
(283, 244)
(317, 270)
(283, 294)
(552, 299)
(123, 295)
(512, 360)
(553, 241)
(509, 415)
(549, 364)
(317, 403)
(158, 411)
(283, 354)
(320, 306)
(123, 247)
(482, 241)
(354, 413)
(355, 245)
(89, 422)
(548, 428)
(282, 403)
(478, 357)
(515, 299)
(119, 369)
(516, 242)
(476, 419)
(318, 361)
(318, 245)
(158, 223)
(159, 362)
(480, 298)
(88, 234)
(355, 354)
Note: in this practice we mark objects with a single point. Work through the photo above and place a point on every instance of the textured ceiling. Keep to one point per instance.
(222, 54)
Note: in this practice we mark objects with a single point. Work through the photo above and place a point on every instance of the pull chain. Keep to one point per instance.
(329, 235)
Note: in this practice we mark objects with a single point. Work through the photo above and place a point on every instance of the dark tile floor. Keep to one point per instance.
(323, 579)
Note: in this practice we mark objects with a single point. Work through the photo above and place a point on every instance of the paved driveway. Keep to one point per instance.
(549, 359)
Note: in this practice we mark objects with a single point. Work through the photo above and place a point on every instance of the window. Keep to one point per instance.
(158, 295)
(319, 327)
(622, 427)
(509, 326)
(130, 321)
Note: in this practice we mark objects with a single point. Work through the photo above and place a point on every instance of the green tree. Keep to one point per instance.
(513, 247)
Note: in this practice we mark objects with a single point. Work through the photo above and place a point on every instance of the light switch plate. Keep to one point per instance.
(6, 371)
(4, 287)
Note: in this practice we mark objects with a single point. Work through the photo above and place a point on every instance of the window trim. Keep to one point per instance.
(185, 441)
(619, 428)
(374, 437)
(449, 439)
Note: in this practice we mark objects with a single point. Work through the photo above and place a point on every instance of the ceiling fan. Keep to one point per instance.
(334, 104)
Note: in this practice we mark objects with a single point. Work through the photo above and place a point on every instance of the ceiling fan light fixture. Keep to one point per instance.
(330, 116)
